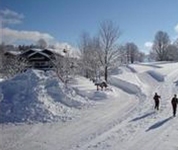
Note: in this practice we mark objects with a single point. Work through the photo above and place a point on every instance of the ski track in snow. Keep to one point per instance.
(133, 126)
(124, 130)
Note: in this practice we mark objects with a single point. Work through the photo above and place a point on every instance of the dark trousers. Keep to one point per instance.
(174, 106)
(157, 104)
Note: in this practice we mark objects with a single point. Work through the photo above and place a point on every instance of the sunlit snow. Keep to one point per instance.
(38, 112)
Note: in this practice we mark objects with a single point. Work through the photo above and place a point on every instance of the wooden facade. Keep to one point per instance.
(39, 58)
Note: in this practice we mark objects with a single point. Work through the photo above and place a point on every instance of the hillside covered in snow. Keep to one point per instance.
(38, 112)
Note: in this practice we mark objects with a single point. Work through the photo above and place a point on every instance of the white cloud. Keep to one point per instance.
(11, 36)
(148, 45)
(10, 17)
(176, 28)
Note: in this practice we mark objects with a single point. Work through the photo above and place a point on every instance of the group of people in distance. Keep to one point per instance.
(174, 102)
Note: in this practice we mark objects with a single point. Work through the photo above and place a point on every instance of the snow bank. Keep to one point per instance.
(125, 86)
(116, 71)
(94, 95)
(88, 90)
(36, 96)
(65, 95)
(176, 83)
(156, 65)
(131, 69)
(157, 76)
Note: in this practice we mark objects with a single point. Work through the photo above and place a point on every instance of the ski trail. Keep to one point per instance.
(125, 122)
(166, 90)
(126, 130)
(86, 142)
(117, 129)
(154, 134)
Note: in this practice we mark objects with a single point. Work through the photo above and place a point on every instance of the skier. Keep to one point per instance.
(156, 98)
(174, 102)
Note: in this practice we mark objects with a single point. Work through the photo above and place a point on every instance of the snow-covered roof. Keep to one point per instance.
(13, 52)
(35, 51)
(39, 52)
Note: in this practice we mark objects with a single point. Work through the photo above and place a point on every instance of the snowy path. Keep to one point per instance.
(142, 132)
(67, 135)
(126, 121)
(124, 134)
(92, 122)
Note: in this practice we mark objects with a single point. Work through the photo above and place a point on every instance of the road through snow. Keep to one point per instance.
(125, 121)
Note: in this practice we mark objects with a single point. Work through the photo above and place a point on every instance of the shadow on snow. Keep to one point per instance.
(158, 124)
(142, 117)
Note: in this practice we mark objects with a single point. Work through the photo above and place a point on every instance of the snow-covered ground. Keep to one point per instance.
(38, 112)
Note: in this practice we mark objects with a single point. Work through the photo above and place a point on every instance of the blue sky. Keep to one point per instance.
(65, 20)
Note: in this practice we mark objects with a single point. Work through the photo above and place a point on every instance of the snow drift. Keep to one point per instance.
(125, 86)
(157, 76)
(36, 96)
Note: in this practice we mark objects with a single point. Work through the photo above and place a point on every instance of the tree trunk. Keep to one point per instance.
(106, 74)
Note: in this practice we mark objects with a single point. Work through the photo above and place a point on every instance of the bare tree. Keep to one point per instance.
(59, 67)
(10, 63)
(132, 52)
(141, 56)
(160, 45)
(13, 66)
(175, 43)
(109, 34)
(152, 56)
(64, 66)
(89, 48)
(173, 52)
(84, 48)
(122, 54)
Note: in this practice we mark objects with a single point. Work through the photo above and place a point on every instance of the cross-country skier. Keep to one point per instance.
(156, 99)
(174, 102)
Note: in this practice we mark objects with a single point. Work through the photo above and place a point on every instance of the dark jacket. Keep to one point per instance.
(174, 101)
(156, 97)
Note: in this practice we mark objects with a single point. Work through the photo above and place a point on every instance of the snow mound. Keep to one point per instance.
(176, 83)
(154, 65)
(36, 96)
(66, 96)
(157, 76)
(116, 71)
(131, 69)
(125, 86)
(88, 90)
(94, 95)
